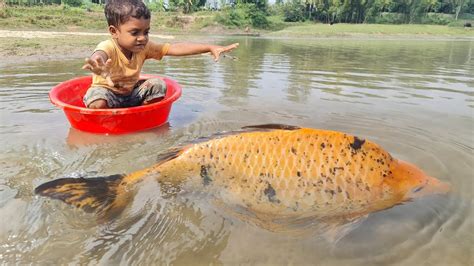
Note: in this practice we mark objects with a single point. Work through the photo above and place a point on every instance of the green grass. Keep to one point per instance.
(51, 17)
(322, 30)
(60, 18)
(63, 18)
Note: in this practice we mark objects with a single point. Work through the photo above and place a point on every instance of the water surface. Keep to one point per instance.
(413, 97)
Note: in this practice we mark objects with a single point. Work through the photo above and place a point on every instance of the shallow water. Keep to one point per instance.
(413, 97)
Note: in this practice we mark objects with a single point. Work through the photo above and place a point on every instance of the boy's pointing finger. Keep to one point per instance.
(231, 47)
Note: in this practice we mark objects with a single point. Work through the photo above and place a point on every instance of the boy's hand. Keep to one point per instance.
(216, 51)
(98, 67)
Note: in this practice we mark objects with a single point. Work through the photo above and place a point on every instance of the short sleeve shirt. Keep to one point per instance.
(125, 73)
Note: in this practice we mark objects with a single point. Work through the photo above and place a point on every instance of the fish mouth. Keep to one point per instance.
(437, 186)
(432, 186)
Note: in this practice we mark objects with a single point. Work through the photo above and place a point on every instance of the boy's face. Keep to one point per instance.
(132, 36)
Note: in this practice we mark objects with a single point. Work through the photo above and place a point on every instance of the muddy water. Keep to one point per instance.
(413, 97)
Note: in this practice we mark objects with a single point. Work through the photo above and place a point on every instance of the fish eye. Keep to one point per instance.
(417, 189)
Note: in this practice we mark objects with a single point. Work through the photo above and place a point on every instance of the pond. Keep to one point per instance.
(413, 97)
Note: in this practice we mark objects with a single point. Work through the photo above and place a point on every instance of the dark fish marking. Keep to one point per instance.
(418, 189)
(298, 173)
(330, 191)
(206, 179)
(323, 145)
(357, 144)
(293, 150)
(296, 207)
(271, 194)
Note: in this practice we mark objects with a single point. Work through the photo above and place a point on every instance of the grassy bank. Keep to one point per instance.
(63, 18)
(375, 30)
(43, 45)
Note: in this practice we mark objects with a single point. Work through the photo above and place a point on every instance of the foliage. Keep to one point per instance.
(257, 16)
(243, 15)
(375, 11)
(246, 13)
(75, 3)
(293, 11)
(233, 17)
(156, 6)
(186, 6)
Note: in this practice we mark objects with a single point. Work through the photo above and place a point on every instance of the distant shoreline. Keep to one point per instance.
(18, 46)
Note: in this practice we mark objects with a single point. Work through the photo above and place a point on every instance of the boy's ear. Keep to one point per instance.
(113, 31)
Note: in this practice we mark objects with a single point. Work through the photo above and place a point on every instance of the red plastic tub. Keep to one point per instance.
(68, 96)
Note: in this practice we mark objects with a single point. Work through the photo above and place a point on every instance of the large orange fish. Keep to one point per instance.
(270, 170)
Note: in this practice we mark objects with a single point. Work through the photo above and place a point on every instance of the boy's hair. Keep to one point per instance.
(117, 12)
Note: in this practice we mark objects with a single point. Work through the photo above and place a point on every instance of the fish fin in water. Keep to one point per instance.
(105, 196)
(169, 154)
(334, 231)
(272, 126)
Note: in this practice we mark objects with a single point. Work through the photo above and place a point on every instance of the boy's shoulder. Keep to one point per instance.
(106, 44)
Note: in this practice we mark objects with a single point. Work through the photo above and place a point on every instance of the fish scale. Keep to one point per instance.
(271, 170)
(315, 170)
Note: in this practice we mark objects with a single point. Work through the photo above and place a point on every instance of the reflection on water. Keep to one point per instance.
(415, 98)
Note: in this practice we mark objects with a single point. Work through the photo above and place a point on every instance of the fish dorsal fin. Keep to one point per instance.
(272, 126)
(245, 129)
(170, 154)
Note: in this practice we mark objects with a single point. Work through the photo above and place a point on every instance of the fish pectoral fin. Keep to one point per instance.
(272, 126)
(334, 230)
(102, 195)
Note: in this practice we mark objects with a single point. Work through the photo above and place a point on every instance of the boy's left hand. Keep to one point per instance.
(216, 51)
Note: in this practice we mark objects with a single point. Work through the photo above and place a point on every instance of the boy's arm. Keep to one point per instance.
(179, 49)
(99, 63)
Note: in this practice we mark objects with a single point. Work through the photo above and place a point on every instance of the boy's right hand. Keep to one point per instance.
(98, 67)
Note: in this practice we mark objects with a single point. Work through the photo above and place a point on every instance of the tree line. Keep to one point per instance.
(326, 11)
(363, 11)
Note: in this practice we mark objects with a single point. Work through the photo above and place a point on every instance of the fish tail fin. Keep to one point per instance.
(105, 196)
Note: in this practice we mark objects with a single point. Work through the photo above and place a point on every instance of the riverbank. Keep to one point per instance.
(55, 33)
(17, 46)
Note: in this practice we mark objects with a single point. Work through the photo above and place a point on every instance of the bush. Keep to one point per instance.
(243, 15)
(390, 18)
(157, 6)
(74, 3)
(294, 11)
(234, 17)
(437, 18)
(258, 18)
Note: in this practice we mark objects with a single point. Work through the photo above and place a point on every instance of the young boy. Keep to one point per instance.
(116, 63)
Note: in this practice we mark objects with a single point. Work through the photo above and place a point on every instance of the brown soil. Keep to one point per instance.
(29, 46)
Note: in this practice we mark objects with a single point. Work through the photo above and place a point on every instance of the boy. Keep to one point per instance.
(116, 63)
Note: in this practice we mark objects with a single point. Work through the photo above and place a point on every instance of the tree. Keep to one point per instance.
(458, 5)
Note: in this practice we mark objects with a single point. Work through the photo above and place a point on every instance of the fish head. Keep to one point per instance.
(411, 182)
